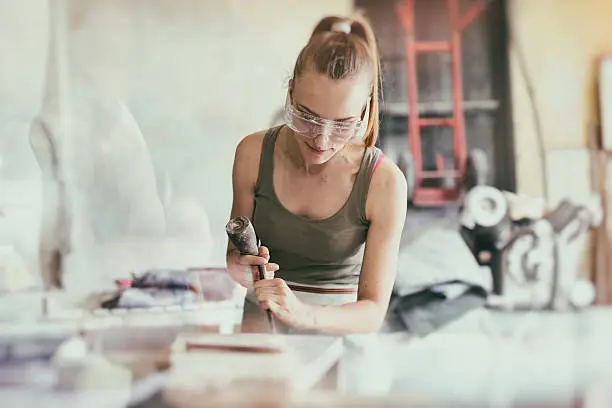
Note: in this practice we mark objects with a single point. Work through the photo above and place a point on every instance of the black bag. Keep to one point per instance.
(428, 310)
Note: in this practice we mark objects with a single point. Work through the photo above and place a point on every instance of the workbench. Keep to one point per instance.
(307, 362)
(510, 359)
(487, 357)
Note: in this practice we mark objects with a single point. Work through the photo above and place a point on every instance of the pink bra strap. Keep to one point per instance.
(378, 160)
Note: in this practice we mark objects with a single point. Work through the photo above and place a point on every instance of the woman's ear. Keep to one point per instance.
(291, 84)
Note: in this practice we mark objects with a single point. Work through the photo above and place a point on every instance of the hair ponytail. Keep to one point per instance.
(363, 29)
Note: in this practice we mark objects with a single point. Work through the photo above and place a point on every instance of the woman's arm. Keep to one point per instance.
(244, 177)
(386, 211)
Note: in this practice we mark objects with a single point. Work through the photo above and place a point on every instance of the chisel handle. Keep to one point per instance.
(242, 234)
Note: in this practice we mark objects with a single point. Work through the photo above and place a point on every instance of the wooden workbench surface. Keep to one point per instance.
(301, 363)
(297, 361)
(297, 364)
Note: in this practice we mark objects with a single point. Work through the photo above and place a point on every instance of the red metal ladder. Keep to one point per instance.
(436, 196)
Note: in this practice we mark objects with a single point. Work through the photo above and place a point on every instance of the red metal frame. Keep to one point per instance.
(457, 23)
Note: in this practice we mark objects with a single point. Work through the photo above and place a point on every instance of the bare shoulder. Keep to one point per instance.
(246, 158)
(250, 146)
(388, 177)
(388, 192)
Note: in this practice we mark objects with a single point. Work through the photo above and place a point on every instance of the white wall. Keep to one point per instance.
(562, 42)
(194, 77)
(23, 43)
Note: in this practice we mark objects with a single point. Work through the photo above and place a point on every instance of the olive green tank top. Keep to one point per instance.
(313, 251)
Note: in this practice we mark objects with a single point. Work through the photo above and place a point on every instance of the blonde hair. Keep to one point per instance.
(342, 48)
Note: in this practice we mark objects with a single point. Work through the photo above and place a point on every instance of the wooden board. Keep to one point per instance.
(297, 363)
(605, 101)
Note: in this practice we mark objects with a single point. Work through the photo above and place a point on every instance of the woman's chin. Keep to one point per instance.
(316, 156)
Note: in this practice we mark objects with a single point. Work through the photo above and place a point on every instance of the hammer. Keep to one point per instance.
(242, 234)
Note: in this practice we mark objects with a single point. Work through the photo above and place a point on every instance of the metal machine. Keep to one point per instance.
(535, 263)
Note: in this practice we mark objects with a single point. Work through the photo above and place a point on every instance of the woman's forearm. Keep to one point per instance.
(363, 316)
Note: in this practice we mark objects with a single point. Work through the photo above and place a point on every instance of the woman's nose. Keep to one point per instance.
(322, 141)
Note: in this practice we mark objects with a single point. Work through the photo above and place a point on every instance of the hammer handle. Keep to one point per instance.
(242, 234)
(262, 275)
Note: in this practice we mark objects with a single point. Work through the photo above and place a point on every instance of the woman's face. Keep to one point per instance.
(324, 98)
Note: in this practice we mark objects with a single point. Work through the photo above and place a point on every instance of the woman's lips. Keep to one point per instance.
(317, 151)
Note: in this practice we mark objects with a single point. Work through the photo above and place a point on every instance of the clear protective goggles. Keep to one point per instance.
(311, 126)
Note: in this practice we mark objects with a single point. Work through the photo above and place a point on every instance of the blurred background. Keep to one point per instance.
(137, 107)
(153, 95)
(119, 120)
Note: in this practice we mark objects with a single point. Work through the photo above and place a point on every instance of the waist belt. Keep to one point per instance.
(322, 290)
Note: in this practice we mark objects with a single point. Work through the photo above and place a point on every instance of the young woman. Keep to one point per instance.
(326, 204)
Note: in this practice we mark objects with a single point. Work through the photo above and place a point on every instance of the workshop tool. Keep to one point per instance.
(486, 226)
(242, 234)
(458, 21)
(534, 262)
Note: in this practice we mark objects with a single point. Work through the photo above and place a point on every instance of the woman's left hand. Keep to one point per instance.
(275, 295)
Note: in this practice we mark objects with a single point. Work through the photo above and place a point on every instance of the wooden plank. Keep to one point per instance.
(605, 101)
(301, 363)
(600, 235)
(605, 284)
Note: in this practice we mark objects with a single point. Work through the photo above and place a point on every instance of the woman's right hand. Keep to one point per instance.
(243, 268)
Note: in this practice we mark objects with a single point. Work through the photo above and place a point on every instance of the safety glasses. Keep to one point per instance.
(310, 126)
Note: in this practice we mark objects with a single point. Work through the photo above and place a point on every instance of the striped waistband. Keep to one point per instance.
(322, 290)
